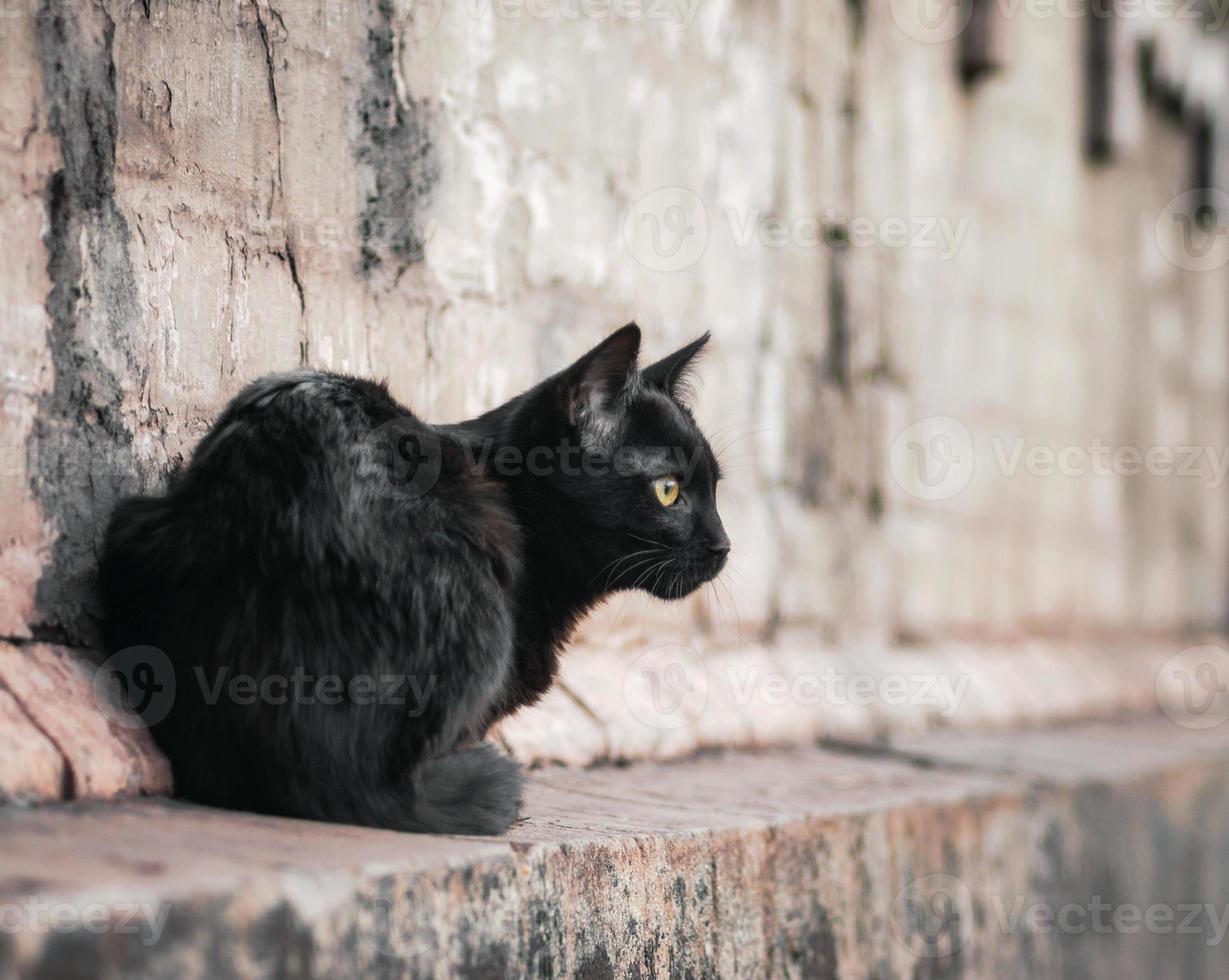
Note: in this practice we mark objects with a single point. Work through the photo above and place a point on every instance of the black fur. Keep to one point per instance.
(301, 542)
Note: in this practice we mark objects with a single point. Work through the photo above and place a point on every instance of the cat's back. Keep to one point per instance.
(303, 453)
(322, 479)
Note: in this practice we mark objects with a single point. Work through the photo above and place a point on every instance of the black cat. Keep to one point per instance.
(350, 597)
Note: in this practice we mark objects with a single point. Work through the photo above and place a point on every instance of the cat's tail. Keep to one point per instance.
(471, 791)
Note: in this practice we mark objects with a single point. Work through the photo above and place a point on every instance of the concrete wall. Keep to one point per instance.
(462, 196)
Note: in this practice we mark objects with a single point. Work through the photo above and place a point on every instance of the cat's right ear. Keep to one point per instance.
(591, 385)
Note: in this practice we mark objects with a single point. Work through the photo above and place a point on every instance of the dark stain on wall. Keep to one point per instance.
(395, 148)
(80, 453)
(837, 366)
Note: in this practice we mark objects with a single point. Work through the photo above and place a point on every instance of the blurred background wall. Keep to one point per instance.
(920, 260)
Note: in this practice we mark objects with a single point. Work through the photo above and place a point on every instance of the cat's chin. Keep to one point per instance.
(671, 591)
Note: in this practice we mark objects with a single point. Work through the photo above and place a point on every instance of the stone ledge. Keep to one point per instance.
(603, 707)
(809, 862)
(67, 746)
(607, 705)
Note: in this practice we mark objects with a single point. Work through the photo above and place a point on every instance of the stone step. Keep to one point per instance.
(65, 735)
(1092, 851)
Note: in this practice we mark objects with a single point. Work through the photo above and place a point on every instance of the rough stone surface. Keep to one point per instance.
(55, 688)
(31, 767)
(810, 863)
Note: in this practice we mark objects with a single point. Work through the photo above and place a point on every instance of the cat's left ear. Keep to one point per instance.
(670, 374)
(592, 384)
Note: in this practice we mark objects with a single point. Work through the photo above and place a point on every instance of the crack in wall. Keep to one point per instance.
(68, 778)
(289, 258)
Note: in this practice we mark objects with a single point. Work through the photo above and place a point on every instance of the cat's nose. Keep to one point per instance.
(720, 546)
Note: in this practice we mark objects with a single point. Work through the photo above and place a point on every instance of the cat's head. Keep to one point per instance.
(647, 489)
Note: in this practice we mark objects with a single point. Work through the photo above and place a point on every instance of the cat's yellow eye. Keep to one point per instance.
(667, 490)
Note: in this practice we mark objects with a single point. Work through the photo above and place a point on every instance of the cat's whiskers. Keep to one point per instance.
(615, 563)
(639, 564)
(746, 435)
(632, 588)
(738, 621)
(664, 566)
(716, 598)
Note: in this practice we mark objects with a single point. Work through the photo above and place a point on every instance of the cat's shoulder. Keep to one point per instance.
(306, 386)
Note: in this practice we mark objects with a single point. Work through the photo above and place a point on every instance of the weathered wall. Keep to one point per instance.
(460, 196)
